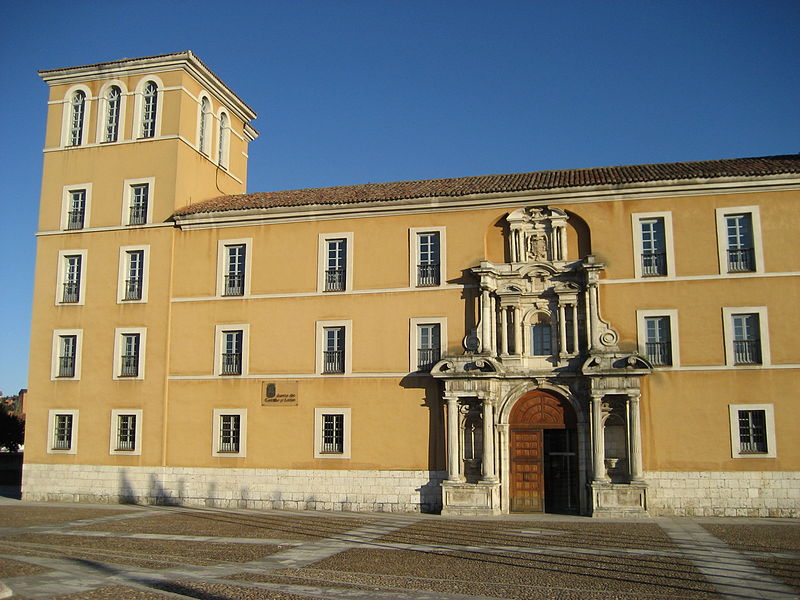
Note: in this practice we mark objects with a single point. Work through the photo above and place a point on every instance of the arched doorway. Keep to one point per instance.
(543, 453)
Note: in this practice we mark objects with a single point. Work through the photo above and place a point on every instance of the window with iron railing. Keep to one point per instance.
(746, 339)
(72, 279)
(741, 260)
(654, 264)
(129, 360)
(333, 353)
(336, 265)
(62, 432)
(235, 257)
(135, 272)
(229, 433)
(752, 432)
(658, 344)
(66, 359)
(231, 359)
(332, 434)
(739, 234)
(654, 247)
(428, 345)
(126, 432)
(77, 209)
(138, 204)
(428, 266)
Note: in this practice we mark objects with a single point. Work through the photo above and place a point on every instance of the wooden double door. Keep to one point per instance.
(543, 454)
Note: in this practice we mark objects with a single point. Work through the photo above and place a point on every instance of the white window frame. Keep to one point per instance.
(61, 278)
(138, 120)
(219, 344)
(66, 122)
(413, 338)
(348, 346)
(322, 260)
(769, 421)
(66, 204)
(727, 328)
(318, 432)
(222, 264)
(102, 110)
(119, 332)
(51, 428)
(636, 224)
(641, 333)
(216, 429)
(413, 255)
(127, 193)
(223, 147)
(114, 437)
(123, 273)
(722, 238)
(204, 125)
(56, 354)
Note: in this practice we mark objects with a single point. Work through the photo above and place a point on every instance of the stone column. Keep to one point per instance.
(634, 437)
(493, 324)
(575, 349)
(453, 456)
(517, 331)
(503, 331)
(485, 328)
(562, 332)
(487, 460)
(598, 439)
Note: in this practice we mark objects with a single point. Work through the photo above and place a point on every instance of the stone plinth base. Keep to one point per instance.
(470, 498)
(619, 499)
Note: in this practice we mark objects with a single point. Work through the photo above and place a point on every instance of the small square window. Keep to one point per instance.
(62, 432)
(126, 432)
(230, 432)
(332, 433)
(752, 430)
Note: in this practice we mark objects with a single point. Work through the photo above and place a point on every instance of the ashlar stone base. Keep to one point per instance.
(619, 499)
(470, 499)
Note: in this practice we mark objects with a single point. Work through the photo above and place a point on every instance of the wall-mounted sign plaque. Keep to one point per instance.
(282, 392)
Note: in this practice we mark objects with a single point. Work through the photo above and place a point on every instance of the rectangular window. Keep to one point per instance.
(138, 204)
(336, 265)
(129, 364)
(333, 350)
(72, 279)
(126, 432)
(134, 274)
(332, 433)
(231, 353)
(428, 266)
(746, 339)
(235, 259)
(66, 358)
(541, 338)
(229, 431)
(752, 430)
(76, 213)
(739, 236)
(658, 344)
(428, 345)
(62, 431)
(654, 249)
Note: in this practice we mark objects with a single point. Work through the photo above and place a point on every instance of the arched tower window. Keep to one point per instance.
(223, 140)
(113, 101)
(205, 113)
(149, 108)
(78, 107)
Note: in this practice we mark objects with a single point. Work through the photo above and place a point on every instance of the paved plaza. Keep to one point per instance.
(71, 551)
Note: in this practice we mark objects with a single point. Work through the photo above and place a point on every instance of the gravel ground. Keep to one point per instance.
(778, 537)
(227, 524)
(219, 591)
(14, 568)
(519, 575)
(785, 569)
(28, 516)
(137, 551)
(115, 592)
(514, 533)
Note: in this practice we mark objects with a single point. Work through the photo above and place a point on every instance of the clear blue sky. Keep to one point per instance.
(353, 91)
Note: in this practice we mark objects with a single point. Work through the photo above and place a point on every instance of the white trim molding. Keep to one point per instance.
(321, 326)
(413, 339)
(216, 433)
(322, 260)
(769, 426)
(61, 278)
(127, 195)
(51, 431)
(636, 226)
(414, 254)
(641, 333)
(722, 239)
(55, 365)
(319, 424)
(66, 204)
(124, 271)
(222, 262)
(219, 332)
(114, 439)
(728, 313)
(119, 333)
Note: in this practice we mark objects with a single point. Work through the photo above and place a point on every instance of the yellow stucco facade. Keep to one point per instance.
(647, 322)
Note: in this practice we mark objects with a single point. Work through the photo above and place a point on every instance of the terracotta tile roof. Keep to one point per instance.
(489, 184)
